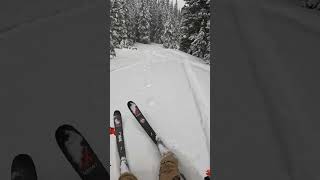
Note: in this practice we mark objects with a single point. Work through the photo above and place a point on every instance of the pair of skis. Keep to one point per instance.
(145, 125)
(120, 137)
(77, 151)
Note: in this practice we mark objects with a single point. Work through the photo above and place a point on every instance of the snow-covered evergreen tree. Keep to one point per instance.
(119, 30)
(186, 28)
(112, 53)
(195, 34)
(144, 19)
(154, 17)
(171, 8)
(170, 37)
(166, 9)
(131, 21)
(111, 49)
(159, 21)
(176, 10)
(199, 44)
(208, 52)
(171, 27)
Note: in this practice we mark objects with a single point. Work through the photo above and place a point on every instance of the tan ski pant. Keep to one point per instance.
(168, 169)
(127, 176)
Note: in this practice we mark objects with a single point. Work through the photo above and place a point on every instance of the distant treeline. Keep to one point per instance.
(160, 21)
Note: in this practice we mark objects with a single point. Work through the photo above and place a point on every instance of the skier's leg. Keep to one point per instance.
(169, 163)
(127, 176)
(169, 167)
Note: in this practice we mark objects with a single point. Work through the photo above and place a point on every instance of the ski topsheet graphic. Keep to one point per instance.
(146, 126)
(124, 166)
(23, 168)
(119, 134)
(142, 121)
(79, 153)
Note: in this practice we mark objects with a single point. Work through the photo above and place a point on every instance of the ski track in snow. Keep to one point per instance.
(172, 89)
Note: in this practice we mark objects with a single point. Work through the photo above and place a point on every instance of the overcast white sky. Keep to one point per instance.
(180, 3)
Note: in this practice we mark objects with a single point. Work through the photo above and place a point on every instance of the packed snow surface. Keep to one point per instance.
(172, 90)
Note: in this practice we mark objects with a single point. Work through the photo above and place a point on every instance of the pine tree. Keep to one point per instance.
(144, 23)
(207, 54)
(167, 10)
(195, 34)
(111, 50)
(186, 28)
(199, 44)
(119, 30)
(136, 24)
(176, 10)
(153, 23)
(131, 21)
(171, 8)
(111, 46)
(170, 35)
(159, 28)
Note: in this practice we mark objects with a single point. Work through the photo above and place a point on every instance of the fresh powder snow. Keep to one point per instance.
(171, 89)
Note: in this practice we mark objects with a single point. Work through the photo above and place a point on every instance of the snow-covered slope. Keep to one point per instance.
(172, 90)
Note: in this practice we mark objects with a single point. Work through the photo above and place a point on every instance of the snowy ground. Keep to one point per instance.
(172, 90)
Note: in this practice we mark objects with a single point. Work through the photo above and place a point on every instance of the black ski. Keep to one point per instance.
(142, 121)
(79, 153)
(117, 119)
(23, 168)
(119, 134)
(148, 129)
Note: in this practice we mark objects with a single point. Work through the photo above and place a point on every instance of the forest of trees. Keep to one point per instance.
(161, 21)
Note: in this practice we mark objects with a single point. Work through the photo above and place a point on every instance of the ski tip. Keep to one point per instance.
(116, 113)
(22, 159)
(130, 103)
(23, 168)
(60, 132)
(63, 128)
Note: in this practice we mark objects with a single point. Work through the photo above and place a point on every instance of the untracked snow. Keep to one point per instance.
(171, 89)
